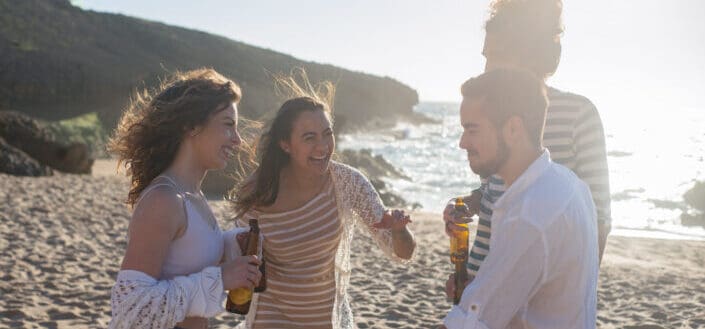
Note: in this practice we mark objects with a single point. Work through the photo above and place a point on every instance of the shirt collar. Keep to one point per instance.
(528, 177)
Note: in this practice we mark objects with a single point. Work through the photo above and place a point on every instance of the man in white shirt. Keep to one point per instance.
(541, 271)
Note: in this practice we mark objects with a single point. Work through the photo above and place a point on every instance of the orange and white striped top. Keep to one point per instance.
(357, 205)
(299, 249)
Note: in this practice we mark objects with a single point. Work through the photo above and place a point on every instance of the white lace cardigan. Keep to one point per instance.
(358, 203)
(140, 301)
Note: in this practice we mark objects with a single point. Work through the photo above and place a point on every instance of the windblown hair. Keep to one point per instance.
(262, 187)
(529, 30)
(511, 92)
(154, 124)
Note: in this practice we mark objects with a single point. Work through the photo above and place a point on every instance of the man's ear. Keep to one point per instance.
(514, 130)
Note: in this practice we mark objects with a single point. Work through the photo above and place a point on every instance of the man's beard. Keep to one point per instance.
(493, 166)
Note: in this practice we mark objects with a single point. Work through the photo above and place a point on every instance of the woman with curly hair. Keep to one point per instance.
(308, 207)
(171, 275)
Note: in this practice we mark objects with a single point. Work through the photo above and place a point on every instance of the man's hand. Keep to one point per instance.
(450, 285)
(473, 202)
(452, 217)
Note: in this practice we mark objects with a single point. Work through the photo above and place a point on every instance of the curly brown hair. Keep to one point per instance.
(529, 30)
(153, 126)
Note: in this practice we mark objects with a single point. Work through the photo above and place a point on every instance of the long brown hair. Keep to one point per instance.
(262, 188)
(153, 126)
(529, 30)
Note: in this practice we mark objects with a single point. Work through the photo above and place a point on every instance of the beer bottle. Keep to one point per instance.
(239, 299)
(459, 251)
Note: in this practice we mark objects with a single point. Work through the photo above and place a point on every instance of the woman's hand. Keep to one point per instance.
(242, 272)
(402, 239)
(396, 220)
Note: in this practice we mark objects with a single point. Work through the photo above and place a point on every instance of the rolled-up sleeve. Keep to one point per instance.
(511, 273)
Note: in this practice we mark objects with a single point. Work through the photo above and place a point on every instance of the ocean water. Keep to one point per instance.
(653, 159)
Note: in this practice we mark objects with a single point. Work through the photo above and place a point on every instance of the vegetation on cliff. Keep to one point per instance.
(59, 61)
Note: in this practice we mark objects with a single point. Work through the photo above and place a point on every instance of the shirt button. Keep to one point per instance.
(473, 307)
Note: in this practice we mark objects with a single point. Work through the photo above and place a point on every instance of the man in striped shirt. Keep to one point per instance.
(525, 34)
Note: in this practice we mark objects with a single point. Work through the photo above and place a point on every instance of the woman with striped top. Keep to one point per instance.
(526, 34)
(308, 206)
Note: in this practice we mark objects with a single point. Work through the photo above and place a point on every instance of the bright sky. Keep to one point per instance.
(619, 53)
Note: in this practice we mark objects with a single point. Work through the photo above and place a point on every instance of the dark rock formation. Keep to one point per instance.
(390, 198)
(74, 158)
(695, 199)
(33, 139)
(15, 162)
(376, 168)
(373, 166)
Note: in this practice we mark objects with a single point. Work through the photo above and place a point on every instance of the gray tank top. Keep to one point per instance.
(199, 247)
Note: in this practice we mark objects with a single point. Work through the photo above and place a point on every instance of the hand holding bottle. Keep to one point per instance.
(450, 285)
(241, 272)
(240, 298)
(455, 218)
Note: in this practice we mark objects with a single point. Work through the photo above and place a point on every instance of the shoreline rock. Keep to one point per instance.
(29, 143)
(377, 168)
(17, 163)
(694, 214)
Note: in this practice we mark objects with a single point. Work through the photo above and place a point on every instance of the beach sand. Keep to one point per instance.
(62, 239)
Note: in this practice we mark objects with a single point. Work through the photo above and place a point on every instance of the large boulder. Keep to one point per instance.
(373, 166)
(695, 197)
(15, 162)
(376, 167)
(74, 158)
(31, 137)
(694, 215)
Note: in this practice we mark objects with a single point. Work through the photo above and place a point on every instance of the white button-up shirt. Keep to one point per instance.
(542, 268)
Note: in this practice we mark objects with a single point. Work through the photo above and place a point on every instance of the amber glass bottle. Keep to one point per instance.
(459, 252)
(239, 299)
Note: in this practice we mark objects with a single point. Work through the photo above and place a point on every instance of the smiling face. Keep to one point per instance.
(311, 143)
(486, 150)
(216, 141)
